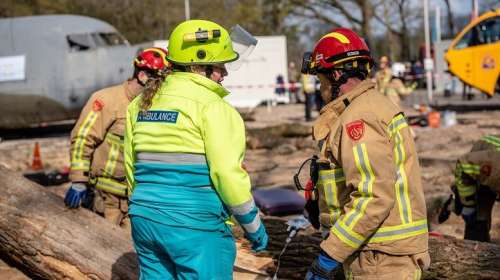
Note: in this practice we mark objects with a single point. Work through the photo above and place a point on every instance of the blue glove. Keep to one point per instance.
(469, 214)
(322, 268)
(258, 239)
(74, 196)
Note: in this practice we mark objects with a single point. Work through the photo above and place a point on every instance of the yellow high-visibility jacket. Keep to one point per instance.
(369, 188)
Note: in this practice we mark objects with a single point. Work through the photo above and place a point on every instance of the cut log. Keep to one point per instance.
(451, 258)
(46, 240)
(43, 238)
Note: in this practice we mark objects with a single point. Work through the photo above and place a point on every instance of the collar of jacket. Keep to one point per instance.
(130, 95)
(202, 81)
(332, 110)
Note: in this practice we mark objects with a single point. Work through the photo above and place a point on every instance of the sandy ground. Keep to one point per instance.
(438, 150)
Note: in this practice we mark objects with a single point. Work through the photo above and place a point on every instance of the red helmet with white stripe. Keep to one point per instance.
(154, 59)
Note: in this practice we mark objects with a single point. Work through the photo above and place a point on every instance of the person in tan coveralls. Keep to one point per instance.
(97, 170)
(477, 181)
(397, 89)
(384, 75)
(369, 191)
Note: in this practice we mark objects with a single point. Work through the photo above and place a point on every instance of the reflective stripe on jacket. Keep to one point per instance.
(369, 187)
(189, 139)
(481, 166)
(97, 138)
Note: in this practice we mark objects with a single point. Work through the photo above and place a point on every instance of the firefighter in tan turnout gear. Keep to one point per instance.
(477, 180)
(97, 171)
(384, 75)
(370, 197)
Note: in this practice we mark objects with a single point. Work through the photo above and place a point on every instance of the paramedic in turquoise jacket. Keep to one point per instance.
(184, 147)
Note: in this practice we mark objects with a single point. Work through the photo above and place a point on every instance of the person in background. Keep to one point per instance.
(184, 148)
(97, 170)
(384, 74)
(293, 77)
(309, 88)
(477, 183)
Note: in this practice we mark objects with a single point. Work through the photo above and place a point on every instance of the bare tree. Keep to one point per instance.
(398, 16)
(449, 15)
(358, 13)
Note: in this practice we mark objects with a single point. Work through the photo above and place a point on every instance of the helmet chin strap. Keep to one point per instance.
(336, 84)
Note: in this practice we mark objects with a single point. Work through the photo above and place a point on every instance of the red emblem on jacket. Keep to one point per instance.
(355, 129)
(98, 105)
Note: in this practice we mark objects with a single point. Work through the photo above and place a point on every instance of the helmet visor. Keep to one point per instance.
(243, 43)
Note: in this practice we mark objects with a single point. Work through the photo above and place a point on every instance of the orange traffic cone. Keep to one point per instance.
(37, 159)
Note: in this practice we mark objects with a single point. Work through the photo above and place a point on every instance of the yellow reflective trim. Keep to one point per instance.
(465, 190)
(471, 169)
(364, 187)
(113, 155)
(329, 180)
(111, 186)
(341, 37)
(401, 186)
(346, 235)
(396, 124)
(495, 141)
(80, 165)
(418, 274)
(110, 137)
(399, 232)
(82, 134)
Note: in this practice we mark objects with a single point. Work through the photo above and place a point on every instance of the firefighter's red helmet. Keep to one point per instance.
(153, 59)
(338, 47)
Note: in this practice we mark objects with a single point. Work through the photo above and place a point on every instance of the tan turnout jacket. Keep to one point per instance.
(383, 78)
(369, 187)
(97, 140)
(480, 166)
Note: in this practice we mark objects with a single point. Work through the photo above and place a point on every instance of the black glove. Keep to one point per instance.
(312, 212)
(88, 200)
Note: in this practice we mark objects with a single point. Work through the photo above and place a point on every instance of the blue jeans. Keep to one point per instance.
(170, 252)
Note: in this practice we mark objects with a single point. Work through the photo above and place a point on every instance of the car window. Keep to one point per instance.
(103, 39)
(489, 31)
(79, 42)
(466, 40)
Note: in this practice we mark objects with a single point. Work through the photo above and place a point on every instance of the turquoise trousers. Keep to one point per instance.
(172, 252)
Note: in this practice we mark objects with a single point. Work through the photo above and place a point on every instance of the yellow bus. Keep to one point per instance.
(474, 54)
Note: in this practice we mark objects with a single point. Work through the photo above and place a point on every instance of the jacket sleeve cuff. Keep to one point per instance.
(78, 176)
(336, 248)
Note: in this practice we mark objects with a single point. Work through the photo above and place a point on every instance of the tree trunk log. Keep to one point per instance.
(451, 258)
(46, 240)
